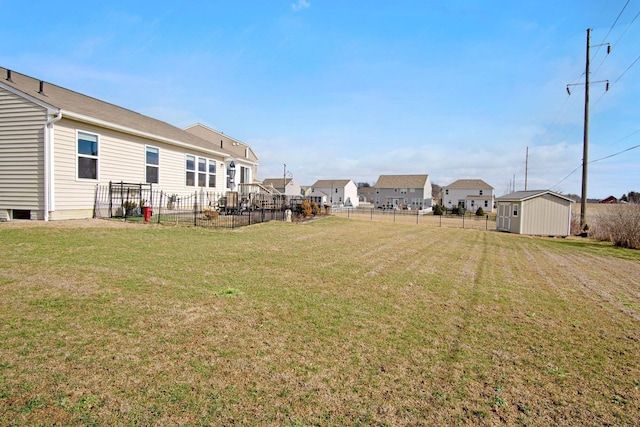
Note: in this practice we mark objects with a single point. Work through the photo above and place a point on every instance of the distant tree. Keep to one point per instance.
(436, 191)
(363, 184)
(624, 198)
(480, 211)
(438, 210)
(633, 197)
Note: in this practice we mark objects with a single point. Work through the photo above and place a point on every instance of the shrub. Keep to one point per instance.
(621, 226)
(315, 209)
(306, 209)
(439, 210)
(480, 211)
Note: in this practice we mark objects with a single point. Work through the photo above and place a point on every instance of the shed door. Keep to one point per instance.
(504, 216)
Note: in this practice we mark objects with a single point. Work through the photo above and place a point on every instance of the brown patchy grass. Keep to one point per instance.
(333, 322)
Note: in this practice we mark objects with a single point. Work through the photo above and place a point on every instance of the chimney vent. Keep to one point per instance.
(9, 76)
(41, 91)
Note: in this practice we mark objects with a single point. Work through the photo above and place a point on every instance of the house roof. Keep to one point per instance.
(84, 108)
(401, 181)
(277, 182)
(466, 184)
(520, 196)
(331, 183)
(237, 149)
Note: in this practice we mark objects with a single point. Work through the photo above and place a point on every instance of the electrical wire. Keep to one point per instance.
(601, 158)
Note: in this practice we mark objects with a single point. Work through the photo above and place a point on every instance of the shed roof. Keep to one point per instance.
(519, 196)
(401, 181)
(469, 184)
(85, 108)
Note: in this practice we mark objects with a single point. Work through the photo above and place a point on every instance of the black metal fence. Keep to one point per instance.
(467, 220)
(131, 202)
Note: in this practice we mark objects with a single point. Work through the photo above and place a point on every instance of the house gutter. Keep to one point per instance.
(48, 162)
(130, 131)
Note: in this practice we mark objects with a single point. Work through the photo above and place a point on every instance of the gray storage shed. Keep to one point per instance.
(539, 212)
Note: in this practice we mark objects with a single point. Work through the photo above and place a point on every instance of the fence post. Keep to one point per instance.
(195, 208)
(371, 214)
(440, 220)
(417, 217)
(486, 223)
(160, 206)
(463, 215)
(394, 215)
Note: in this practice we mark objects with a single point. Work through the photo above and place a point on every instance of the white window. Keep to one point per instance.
(446, 191)
(515, 210)
(481, 192)
(191, 171)
(87, 149)
(486, 203)
(152, 160)
(403, 191)
(212, 173)
(202, 172)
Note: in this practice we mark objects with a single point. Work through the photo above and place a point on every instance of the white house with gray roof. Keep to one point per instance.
(403, 191)
(469, 194)
(286, 186)
(338, 192)
(57, 146)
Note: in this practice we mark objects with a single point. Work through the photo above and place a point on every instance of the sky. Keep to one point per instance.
(327, 89)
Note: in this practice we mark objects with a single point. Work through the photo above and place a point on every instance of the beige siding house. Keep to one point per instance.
(57, 146)
(411, 191)
(469, 194)
(538, 213)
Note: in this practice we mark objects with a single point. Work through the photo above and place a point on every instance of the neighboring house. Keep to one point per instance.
(609, 200)
(340, 192)
(57, 146)
(411, 191)
(288, 186)
(540, 213)
(469, 194)
(366, 194)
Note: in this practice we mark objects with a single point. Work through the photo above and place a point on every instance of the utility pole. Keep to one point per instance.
(585, 140)
(526, 169)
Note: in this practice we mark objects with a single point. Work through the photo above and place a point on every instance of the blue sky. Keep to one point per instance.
(355, 89)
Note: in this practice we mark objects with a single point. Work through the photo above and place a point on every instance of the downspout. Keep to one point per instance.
(48, 161)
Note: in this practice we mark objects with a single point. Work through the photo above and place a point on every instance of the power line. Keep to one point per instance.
(616, 154)
(626, 29)
(601, 158)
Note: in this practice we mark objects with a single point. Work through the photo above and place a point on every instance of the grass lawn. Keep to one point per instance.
(333, 322)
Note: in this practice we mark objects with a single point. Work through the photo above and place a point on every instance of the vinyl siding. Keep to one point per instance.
(21, 153)
(121, 157)
(546, 215)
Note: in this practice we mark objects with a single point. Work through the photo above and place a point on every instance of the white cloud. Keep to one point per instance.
(301, 5)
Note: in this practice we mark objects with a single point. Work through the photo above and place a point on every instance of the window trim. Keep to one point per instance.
(214, 174)
(187, 170)
(87, 156)
(147, 164)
